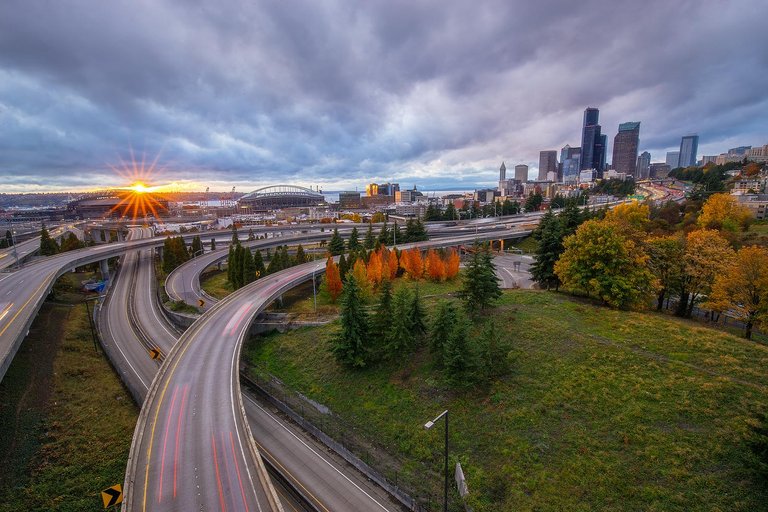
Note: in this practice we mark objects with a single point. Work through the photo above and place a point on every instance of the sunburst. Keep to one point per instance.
(139, 199)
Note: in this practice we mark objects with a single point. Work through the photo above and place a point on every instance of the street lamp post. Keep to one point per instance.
(428, 425)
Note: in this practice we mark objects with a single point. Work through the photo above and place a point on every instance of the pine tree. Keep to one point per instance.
(450, 212)
(231, 266)
(235, 240)
(48, 246)
(342, 268)
(71, 243)
(349, 343)
(258, 263)
(549, 234)
(197, 246)
(301, 256)
(417, 314)
(385, 236)
(237, 267)
(459, 362)
(369, 241)
(354, 242)
(169, 257)
(336, 244)
(285, 258)
(401, 336)
(249, 267)
(213, 244)
(442, 327)
(381, 323)
(480, 285)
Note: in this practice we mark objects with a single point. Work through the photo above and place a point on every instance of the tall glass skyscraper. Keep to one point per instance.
(592, 143)
(689, 146)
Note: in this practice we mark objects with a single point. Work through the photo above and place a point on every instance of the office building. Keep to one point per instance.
(593, 143)
(570, 161)
(689, 147)
(349, 199)
(502, 177)
(521, 173)
(673, 159)
(625, 148)
(711, 159)
(547, 164)
(643, 166)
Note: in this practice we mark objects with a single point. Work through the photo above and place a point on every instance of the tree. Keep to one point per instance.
(381, 323)
(401, 337)
(412, 263)
(665, 261)
(415, 231)
(442, 327)
(343, 267)
(71, 243)
(634, 215)
(361, 277)
(333, 279)
(353, 243)
(450, 212)
(197, 246)
(549, 234)
(600, 260)
(48, 246)
(722, 211)
(235, 240)
(375, 268)
(742, 288)
(385, 237)
(258, 263)
(533, 202)
(459, 361)
(249, 267)
(391, 262)
(707, 254)
(417, 314)
(336, 244)
(369, 241)
(493, 353)
(480, 286)
(452, 264)
(8, 238)
(251, 235)
(213, 244)
(301, 256)
(396, 235)
(435, 266)
(432, 213)
(237, 267)
(349, 344)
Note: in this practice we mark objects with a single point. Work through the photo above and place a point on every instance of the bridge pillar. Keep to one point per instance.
(104, 268)
(501, 242)
(120, 235)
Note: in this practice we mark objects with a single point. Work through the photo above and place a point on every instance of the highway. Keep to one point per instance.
(28, 247)
(131, 323)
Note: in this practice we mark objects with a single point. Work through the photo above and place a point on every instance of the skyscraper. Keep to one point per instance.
(625, 148)
(643, 166)
(673, 159)
(592, 142)
(521, 173)
(570, 160)
(689, 146)
(547, 164)
(502, 172)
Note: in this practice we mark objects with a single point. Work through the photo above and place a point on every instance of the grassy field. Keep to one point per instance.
(215, 284)
(604, 410)
(72, 420)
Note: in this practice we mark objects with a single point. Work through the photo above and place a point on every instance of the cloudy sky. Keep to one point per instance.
(341, 93)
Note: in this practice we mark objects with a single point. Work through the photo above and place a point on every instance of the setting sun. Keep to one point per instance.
(139, 187)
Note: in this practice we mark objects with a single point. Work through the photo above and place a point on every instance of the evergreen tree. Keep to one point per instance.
(369, 241)
(336, 244)
(570, 218)
(235, 240)
(258, 263)
(480, 286)
(249, 267)
(48, 245)
(231, 265)
(549, 234)
(285, 258)
(71, 243)
(450, 212)
(381, 323)
(459, 362)
(417, 314)
(442, 327)
(197, 246)
(8, 238)
(354, 240)
(343, 267)
(401, 336)
(237, 267)
(433, 213)
(301, 256)
(385, 236)
(251, 235)
(213, 244)
(169, 256)
(349, 344)
(533, 202)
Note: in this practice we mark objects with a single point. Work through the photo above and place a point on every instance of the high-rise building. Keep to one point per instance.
(643, 167)
(547, 164)
(625, 148)
(689, 147)
(592, 142)
(570, 160)
(673, 159)
(502, 172)
(521, 173)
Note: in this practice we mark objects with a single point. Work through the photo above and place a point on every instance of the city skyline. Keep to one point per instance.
(393, 96)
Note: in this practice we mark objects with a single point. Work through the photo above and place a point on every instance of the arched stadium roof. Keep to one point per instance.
(282, 196)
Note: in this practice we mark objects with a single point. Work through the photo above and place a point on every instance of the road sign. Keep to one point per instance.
(200, 302)
(112, 496)
(155, 353)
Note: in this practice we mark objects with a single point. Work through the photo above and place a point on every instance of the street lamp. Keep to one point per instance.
(428, 425)
(314, 289)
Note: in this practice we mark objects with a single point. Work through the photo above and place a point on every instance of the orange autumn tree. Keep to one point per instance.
(375, 268)
(332, 279)
(452, 264)
(391, 263)
(434, 266)
(412, 263)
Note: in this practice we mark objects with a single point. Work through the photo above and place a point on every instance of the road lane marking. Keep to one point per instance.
(10, 322)
(237, 468)
(165, 444)
(218, 477)
(178, 434)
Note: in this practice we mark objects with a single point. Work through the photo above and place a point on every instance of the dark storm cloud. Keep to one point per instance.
(342, 92)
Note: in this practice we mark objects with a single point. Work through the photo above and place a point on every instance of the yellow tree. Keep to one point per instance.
(632, 215)
(742, 288)
(602, 261)
(707, 255)
(666, 262)
(361, 277)
(723, 211)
